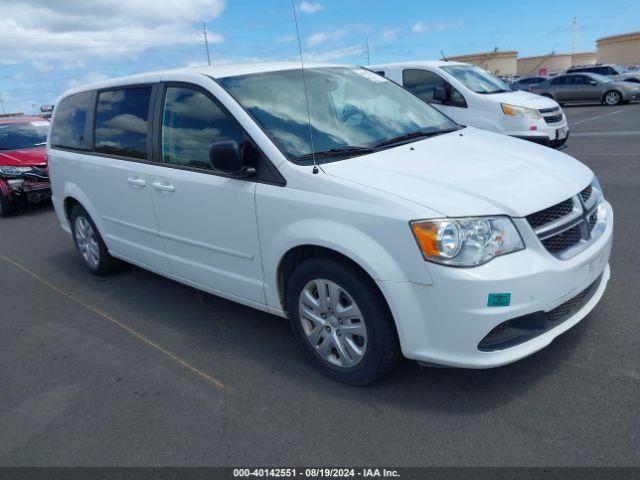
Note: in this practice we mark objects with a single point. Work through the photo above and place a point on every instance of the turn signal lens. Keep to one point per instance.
(515, 111)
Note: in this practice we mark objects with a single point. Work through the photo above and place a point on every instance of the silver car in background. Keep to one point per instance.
(525, 83)
(618, 73)
(587, 87)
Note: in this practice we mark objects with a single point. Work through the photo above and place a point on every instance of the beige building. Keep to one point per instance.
(554, 62)
(496, 62)
(623, 49)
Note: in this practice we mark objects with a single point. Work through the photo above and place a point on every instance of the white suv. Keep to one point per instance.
(473, 97)
(375, 223)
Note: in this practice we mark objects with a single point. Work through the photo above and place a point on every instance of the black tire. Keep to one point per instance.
(106, 263)
(612, 94)
(383, 349)
(7, 206)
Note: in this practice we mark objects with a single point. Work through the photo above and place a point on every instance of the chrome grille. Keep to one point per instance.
(551, 115)
(566, 228)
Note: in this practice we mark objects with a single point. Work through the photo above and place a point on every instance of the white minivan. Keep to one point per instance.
(375, 223)
(473, 97)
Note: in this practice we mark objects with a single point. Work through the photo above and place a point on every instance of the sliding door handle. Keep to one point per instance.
(164, 187)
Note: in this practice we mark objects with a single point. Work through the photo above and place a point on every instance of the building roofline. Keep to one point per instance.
(618, 36)
(490, 54)
(551, 55)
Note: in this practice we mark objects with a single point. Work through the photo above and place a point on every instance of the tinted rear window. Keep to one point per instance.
(69, 127)
(121, 122)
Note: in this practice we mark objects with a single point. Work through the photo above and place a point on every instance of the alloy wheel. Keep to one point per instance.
(87, 242)
(612, 98)
(333, 323)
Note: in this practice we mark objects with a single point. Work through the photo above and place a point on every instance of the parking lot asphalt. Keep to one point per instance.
(135, 369)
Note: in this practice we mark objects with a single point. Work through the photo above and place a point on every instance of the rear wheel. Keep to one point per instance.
(342, 322)
(612, 98)
(89, 243)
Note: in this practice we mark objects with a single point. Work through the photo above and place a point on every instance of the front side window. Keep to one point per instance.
(349, 109)
(121, 122)
(476, 79)
(191, 122)
(69, 125)
(582, 80)
(423, 83)
(15, 136)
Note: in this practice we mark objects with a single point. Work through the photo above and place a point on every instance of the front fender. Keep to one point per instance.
(369, 253)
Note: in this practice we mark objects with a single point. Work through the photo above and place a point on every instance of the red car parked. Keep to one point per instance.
(24, 177)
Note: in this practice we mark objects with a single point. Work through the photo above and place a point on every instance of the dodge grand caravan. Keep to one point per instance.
(375, 223)
(475, 98)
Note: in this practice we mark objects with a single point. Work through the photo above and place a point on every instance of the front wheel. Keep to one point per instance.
(612, 98)
(7, 205)
(342, 321)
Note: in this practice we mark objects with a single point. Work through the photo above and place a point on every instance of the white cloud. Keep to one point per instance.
(285, 39)
(42, 30)
(320, 38)
(90, 77)
(42, 66)
(421, 27)
(310, 7)
(336, 54)
(391, 33)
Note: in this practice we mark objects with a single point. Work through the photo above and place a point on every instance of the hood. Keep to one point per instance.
(523, 99)
(470, 172)
(27, 157)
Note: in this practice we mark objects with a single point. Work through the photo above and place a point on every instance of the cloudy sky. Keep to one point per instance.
(47, 46)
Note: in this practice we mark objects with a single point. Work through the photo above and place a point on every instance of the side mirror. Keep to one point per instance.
(226, 156)
(440, 94)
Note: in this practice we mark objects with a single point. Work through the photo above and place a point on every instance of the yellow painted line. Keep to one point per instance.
(127, 328)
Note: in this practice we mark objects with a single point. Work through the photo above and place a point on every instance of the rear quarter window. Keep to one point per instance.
(69, 128)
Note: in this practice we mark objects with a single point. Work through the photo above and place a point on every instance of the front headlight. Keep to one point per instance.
(466, 242)
(14, 171)
(516, 111)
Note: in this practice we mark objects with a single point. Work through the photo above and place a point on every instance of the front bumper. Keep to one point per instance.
(537, 130)
(631, 95)
(556, 142)
(33, 187)
(445, 322)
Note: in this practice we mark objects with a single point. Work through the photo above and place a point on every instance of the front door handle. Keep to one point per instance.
(137, 182)
(164, 187)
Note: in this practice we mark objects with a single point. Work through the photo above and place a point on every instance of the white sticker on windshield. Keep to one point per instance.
(370, 75)
(40, 123)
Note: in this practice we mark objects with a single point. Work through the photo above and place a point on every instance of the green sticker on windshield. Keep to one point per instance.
(499, 300)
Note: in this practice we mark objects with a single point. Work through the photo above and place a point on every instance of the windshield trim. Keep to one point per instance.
(329, 159)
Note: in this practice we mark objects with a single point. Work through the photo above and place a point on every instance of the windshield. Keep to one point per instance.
(23, 135)
(350, 109)
(476, 79)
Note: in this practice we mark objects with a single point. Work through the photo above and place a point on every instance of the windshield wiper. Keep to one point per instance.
(336, 152)
(412, 136)
(500, 90)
